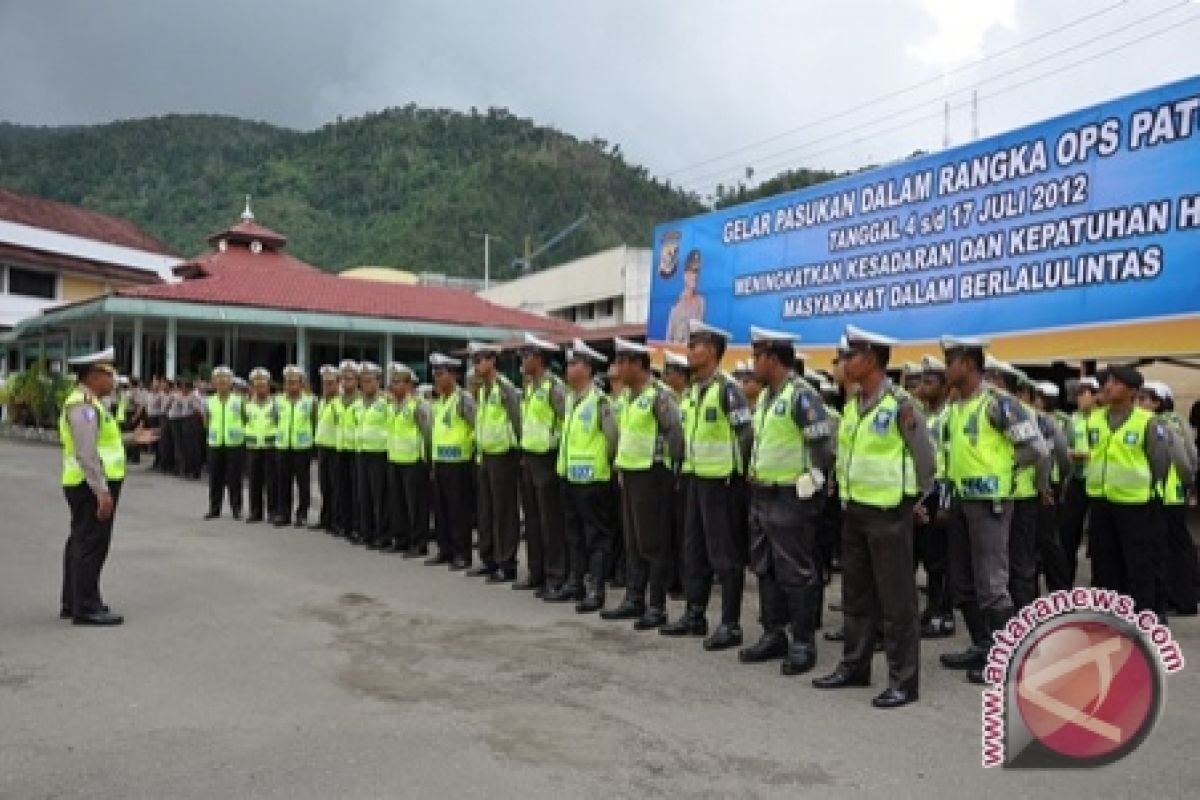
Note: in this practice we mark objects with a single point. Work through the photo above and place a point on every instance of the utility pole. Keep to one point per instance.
(487, 255)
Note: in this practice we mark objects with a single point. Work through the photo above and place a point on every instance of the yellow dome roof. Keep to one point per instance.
(382, 274)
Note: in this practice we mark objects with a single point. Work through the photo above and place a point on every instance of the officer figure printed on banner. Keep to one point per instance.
(347, 408)
(409, 438)
(1132, 453)
(648, 455)
(931, 547)
(677, 376)
(585, 454)
(371, 440)
(718, 438)
(453, 461)
(989, 435)
(326, 439)
(92, 476)
(1178, 552)
(787, 473)
(262, 434)
(225, 418)
(886, 470)
(543, 406)
(1075, 497)
(297, 431)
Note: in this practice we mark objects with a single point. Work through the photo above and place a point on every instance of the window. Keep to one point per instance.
(604, 308)
(32, 284)
(584, 312)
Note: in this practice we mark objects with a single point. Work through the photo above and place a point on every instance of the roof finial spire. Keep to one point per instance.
(247, 215)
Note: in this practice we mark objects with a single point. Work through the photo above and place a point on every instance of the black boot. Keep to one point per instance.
(772, 644)
(632, 607)
(976, 653)
(802, 653)
(569, 592)
(692, 622)
(655, 617)
(593, 601)
(996, 619)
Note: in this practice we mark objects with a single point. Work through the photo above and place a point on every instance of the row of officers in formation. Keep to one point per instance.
(967, 469)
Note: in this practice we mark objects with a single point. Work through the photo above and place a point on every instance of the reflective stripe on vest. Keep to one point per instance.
(583, 454)
(710, 438)
(878, 467)
(1119, 470)
(453, 439)
(262, 427)
(493, 428)
(327, 424)
(109, 445)
(225, 421)
(979, 458)
(780, 453)
(687, 407)
(373, 423)
(639, 446)
(539, 422)
(405, 442)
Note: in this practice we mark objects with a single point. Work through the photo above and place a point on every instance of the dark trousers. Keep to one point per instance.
(372, 500)
(542, 504)
(155, 422)
(878, 584)
(679, 501)
(783, 554)
(977, 543)
(1181, 572)
(86, 549)
(345, 480)
(262, 477)
(499, 512)
(326, 468)
(408, 507)
(295, 470)
(591, 529)
(451, 511)
(647, 522)
(930, 548)
(1123, 540)
(166, 446)
(1051, 559)
(1070, 524)
(225, 477)
(1022, 552)
(193, 446)
(715, 543)
(179, 445)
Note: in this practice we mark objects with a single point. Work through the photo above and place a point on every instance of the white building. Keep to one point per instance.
(604, 290)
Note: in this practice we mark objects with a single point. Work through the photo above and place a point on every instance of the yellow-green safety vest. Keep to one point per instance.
(1025, 479)
(540, 425)
(374, 420)
(878, 468)
(979, 458)
(226, 421)
(640, 444)
(493, 429)
(1172, 491)
(327, 424)
(1119, 470)
(453, 439)
(780, 454)
(262, 424)
(109, 445)
(347, 416)
(296, 423)
(406, 445)
(583, 454)
(710, 439)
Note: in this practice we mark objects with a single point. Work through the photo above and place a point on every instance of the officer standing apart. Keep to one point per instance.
(92, 475)
(648, 456)
(589, 443)
(409, 435)
(497, 434)
(372, 460)
(453, 462)
(326, 441)
(791, 456)
(225, 419)
(262, 433)
(886, 470)
(988, 436)
(297, 424)
(718, 438)
(542, 408)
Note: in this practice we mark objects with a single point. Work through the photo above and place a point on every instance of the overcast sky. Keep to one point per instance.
(697, 90)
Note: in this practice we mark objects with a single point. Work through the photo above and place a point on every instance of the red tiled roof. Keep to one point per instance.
(51, 215)
(276, 280)
(246, 230)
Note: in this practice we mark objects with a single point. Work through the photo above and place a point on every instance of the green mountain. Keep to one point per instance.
(404, 187)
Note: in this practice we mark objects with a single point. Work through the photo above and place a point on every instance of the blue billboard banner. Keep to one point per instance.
(1092, 218)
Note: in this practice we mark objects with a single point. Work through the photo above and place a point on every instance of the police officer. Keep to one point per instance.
(347, 408)
(409, 437)
(297, 426)
(225, 419)
(791, 456)
(92, 476)
(1050, 559)
(677, 377)
(937, 621)
(374, 421)
(326, 439)
(588, 445)
(648, 456)
(988, 436)
(886, 470)
(543, 406)
(717, 440)
(1131, 453)
(1075, 496)
(453, 442)
(262, 433)
(497, 436)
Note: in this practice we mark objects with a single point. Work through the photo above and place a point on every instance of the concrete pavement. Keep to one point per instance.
(258, 662)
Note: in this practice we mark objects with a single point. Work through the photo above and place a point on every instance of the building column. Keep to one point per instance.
(109, 333)
(302, 349)
(171, 343)
(93, 341)
(136, 368)
(229, 359)
(388, 353)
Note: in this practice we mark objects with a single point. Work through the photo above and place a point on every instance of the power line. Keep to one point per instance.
(793, 150)
(936, 79)
(1003, 90)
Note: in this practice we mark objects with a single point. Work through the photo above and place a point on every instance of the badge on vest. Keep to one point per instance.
(1131, 437)
(643, 403)
(883, 420)
(710, 415)
(581, 473)
(781, 408)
